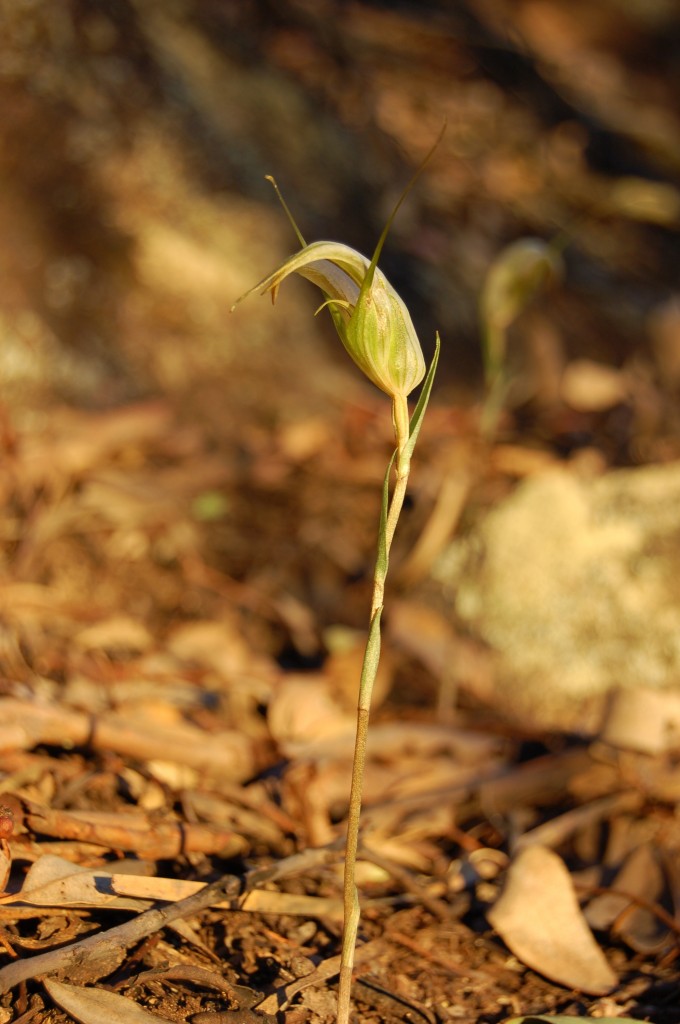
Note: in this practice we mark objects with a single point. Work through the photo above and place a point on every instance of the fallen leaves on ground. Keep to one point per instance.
(163, 768)
(185, 578)
(538, 916)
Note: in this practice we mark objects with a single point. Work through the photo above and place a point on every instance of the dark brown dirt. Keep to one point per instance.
(190, 498)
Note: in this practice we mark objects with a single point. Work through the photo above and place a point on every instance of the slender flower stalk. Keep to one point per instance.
(406, 436)
(376, 329)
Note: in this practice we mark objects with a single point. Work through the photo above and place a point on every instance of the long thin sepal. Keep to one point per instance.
(272, 180)
(368, 280)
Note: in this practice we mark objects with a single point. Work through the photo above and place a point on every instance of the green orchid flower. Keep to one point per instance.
(517, 275)
(370, 317)
(376, 329)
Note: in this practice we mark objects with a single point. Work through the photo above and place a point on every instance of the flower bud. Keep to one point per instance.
(372, 321)
(382, 341)
(514, 279)
(517, 274)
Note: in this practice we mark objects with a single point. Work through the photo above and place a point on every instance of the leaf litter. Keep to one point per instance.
(181, 605)
(142, 757)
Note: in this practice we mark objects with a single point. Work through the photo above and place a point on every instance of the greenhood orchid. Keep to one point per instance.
(515, 277)
(518, 274)
(371, 319)
(376, 329)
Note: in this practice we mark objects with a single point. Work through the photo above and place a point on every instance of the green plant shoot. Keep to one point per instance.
(516, 276)
(376, 329)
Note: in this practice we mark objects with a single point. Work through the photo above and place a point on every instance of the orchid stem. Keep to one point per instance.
(406, 435)
(368, 674)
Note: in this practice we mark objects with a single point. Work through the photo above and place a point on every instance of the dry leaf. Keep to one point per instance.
(303, 711)
(592, 387)
(98, 1006)
(55, 882)
(557, 1019)
(219, 646)
(97, 955)
(641, 875)
(644, 720)
(538, 917)
(117, 633)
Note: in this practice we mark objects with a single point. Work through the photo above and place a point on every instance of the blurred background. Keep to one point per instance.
(189, 497)
(136, 136)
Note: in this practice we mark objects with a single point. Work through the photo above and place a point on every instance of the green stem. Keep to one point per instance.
(495, 346)
(368, 674)
(406, 433)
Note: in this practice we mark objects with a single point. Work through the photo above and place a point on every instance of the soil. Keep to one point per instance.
(191, 497)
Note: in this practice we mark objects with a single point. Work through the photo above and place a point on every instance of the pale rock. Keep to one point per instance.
(575, 586)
